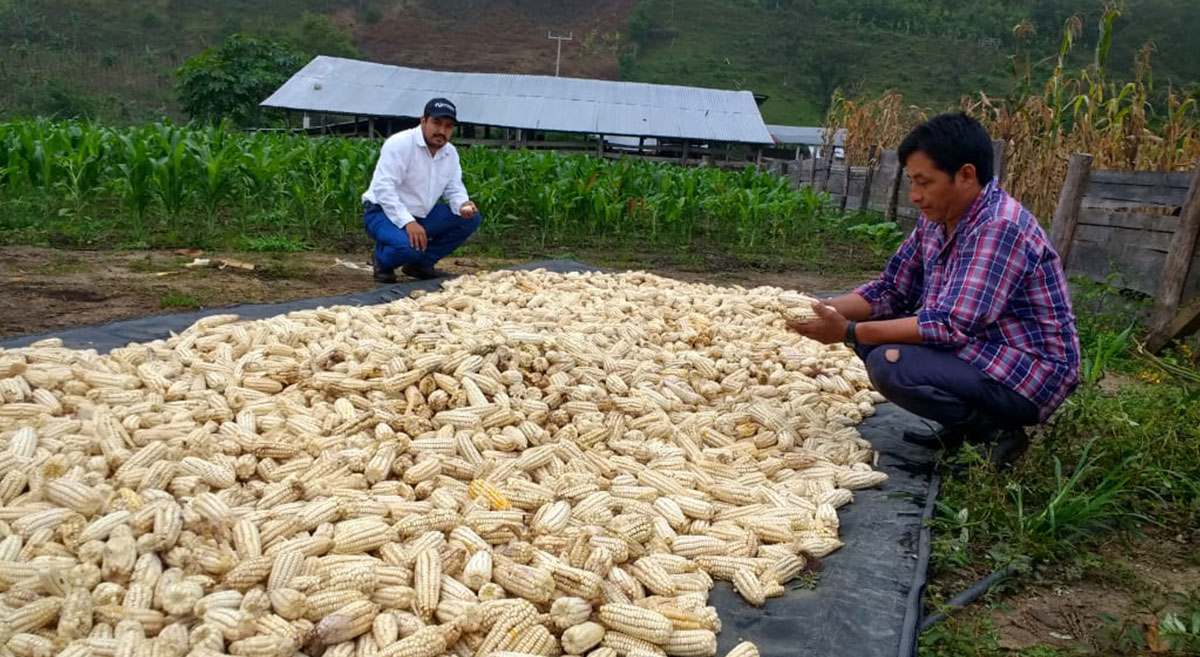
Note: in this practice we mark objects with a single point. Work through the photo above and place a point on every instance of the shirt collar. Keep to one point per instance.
(425, 146)
(976, 210)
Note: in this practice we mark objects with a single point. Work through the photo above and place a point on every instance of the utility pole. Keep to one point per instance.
(560, 39)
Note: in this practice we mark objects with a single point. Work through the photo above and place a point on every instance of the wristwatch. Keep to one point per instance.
(850, 340)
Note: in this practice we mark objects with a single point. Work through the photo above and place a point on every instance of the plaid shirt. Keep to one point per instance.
(994, 293)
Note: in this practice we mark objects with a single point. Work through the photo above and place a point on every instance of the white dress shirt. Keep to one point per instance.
(408, 181)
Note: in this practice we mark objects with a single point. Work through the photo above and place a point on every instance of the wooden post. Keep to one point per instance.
(998, 160)
(812, 180)
(845, 188)
(1179, 259)
(600, 146)
(865, 203)
(1066, 215)
(684, 157)
(893, 187)
(371, 127)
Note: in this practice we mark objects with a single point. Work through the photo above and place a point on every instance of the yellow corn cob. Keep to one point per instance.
(493, 497)
(645, 624)
(284, 567)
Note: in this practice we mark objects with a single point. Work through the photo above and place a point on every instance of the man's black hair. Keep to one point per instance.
(951, 141)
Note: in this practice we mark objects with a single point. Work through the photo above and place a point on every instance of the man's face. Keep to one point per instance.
(437, 130)
(942, 197)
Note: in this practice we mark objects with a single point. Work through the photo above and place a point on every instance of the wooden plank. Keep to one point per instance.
(1126, 237)
(1066, 213)
(1139, 269)
(1179, 260)
(1175, 179)
(856, 188)
(1185, 323)
(1161, 223)
(1115, 195)
(883, 184)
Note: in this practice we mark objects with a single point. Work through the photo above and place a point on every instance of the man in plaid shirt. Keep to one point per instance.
(970, 324)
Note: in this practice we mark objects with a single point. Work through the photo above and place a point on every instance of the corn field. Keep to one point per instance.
(1125, 126)
(166, 185)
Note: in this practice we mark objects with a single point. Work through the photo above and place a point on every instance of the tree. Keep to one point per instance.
(230, 80)
(829, 67)
(317, 34)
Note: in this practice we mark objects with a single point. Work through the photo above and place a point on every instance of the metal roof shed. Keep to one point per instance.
(529, 102)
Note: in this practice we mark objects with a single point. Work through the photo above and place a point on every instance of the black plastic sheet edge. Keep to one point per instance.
(797, 610)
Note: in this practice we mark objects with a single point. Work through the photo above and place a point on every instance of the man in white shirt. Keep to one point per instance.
(401, 212)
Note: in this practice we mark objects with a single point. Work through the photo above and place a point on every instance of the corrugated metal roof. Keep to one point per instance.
(538, 102)
(811, 136)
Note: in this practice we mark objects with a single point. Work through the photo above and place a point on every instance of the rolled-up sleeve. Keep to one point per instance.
(989, 265)
(389, 170)
(897, 291)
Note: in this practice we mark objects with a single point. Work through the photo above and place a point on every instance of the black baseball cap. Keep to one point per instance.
(441, 107)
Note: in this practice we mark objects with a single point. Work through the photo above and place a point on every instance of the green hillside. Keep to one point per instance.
(114, 60)
(797, 51)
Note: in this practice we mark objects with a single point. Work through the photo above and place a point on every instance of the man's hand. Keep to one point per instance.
(828, 328)
(417, 238)
(468, 210)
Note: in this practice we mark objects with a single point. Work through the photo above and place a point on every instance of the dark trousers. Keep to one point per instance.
(940, 386)
(445, 230)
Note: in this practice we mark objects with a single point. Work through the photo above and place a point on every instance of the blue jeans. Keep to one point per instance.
(940, 386)
(446, 232)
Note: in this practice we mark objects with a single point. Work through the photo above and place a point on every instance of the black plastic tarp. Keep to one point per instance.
(867, 599)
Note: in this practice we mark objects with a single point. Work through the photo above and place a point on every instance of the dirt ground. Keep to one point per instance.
(43, 289)
(1119, 596)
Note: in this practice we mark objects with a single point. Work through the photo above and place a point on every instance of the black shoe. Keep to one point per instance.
(386, 276)
(1009, 445)
(944, 438)
(423, 273)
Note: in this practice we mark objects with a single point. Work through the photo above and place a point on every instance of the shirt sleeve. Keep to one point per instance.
(988, 267)
(897, 291)
(456, 192)
(389, 171)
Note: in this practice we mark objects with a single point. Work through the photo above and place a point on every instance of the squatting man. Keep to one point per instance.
(970, 324)
(401, 212)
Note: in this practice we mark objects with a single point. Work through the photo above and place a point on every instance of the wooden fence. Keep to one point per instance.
(1142, 225)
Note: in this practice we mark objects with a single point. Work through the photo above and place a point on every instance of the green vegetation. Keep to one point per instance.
(229, 81)
(1119, 461)
(176, 300)
(797, 52)
(162, 185)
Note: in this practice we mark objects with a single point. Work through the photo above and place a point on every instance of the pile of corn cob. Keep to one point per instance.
(521, 463)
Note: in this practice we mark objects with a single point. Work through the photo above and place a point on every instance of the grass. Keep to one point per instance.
(1120, 461)
(179, 300)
